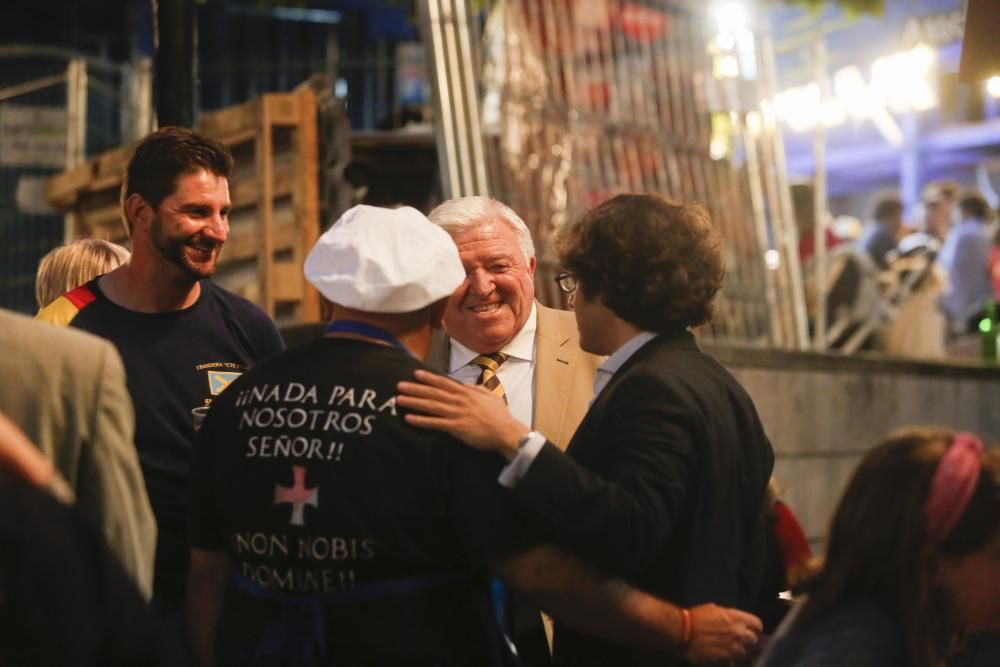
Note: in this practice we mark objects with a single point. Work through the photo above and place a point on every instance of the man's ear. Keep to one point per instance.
(436, 313)
(531, 266)
(138, 210)
(325, 309)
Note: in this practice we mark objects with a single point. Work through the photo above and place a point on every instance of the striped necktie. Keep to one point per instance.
(490, 363)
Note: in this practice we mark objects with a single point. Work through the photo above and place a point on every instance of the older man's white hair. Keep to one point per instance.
(458, 215)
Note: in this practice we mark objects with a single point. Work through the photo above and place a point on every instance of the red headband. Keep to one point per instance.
(954, 481)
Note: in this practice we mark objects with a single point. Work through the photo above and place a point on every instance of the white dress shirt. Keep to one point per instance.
(518, 467)
(517, 373)
(617, 359)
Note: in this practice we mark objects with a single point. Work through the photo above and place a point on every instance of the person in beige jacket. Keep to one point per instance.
(65, 390)
(547, 379)
(493, 318)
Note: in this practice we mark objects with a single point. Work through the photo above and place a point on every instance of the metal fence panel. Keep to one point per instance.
(579, 101)
(33, 145)
(55, 108)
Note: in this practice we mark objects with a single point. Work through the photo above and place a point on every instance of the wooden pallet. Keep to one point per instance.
(274, 188)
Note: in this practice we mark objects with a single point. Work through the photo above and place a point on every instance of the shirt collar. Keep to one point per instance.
(623, 353)
(522, 346)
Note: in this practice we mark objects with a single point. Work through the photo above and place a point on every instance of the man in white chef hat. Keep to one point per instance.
(339, 533)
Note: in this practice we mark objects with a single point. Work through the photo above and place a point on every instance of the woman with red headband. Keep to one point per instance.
(913, 559)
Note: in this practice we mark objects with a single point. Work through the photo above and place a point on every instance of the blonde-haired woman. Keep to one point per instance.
(74, 264)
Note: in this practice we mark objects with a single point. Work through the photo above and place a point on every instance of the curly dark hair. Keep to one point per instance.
(655, 263)
(166, 154)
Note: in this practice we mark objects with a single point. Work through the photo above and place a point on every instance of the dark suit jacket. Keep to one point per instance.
(663, 484)
(66, 600)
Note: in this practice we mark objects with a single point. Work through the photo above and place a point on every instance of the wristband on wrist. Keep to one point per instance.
(687, 629)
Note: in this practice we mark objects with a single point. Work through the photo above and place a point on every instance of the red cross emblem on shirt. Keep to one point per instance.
(297, 495)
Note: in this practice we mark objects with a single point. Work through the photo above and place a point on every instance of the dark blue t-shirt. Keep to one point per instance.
(174, 362)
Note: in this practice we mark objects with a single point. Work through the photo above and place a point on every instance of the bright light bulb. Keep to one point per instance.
(921, 57)
(832, 112)
(772, 259)
(727, 67)
(799, 107)
(853, 91)
(718, 148)
(731, 17)
(903, 80)
(922, 98)
(993, 86)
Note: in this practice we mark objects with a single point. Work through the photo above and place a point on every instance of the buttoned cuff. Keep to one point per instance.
(515, 471)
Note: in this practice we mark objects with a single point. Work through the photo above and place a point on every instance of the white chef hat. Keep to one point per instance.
(382, 260)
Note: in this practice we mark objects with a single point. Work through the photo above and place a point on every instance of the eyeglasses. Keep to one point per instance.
(567, 282)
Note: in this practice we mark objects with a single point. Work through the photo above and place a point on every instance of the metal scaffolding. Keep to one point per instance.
(553, 106)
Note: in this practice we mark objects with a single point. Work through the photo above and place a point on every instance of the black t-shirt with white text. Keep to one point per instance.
(308, 477)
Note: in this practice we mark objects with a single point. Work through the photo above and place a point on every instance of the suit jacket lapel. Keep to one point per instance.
(439, 351)
(556, 362)
(590, 421)
(554, 366)
(681, 339)
(678, 339)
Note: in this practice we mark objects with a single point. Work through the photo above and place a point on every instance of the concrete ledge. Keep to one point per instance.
(735, 356)
(823, 412)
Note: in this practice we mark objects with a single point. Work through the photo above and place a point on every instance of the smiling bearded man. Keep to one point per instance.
(182, 338)
(194, 254)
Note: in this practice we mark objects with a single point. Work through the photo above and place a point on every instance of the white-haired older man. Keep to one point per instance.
(499, 336)
(493, 318)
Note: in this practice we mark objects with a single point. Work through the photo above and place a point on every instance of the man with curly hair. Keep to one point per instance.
(664, 481)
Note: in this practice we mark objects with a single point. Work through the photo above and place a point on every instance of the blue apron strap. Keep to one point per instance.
(296, 634)
(364, 329)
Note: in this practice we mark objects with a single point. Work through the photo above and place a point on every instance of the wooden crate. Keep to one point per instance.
(274, 188)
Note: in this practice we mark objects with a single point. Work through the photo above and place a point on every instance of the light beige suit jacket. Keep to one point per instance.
(564, 374)
(66, 390)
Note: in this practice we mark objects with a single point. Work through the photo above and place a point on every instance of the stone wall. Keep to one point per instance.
(822, 412)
